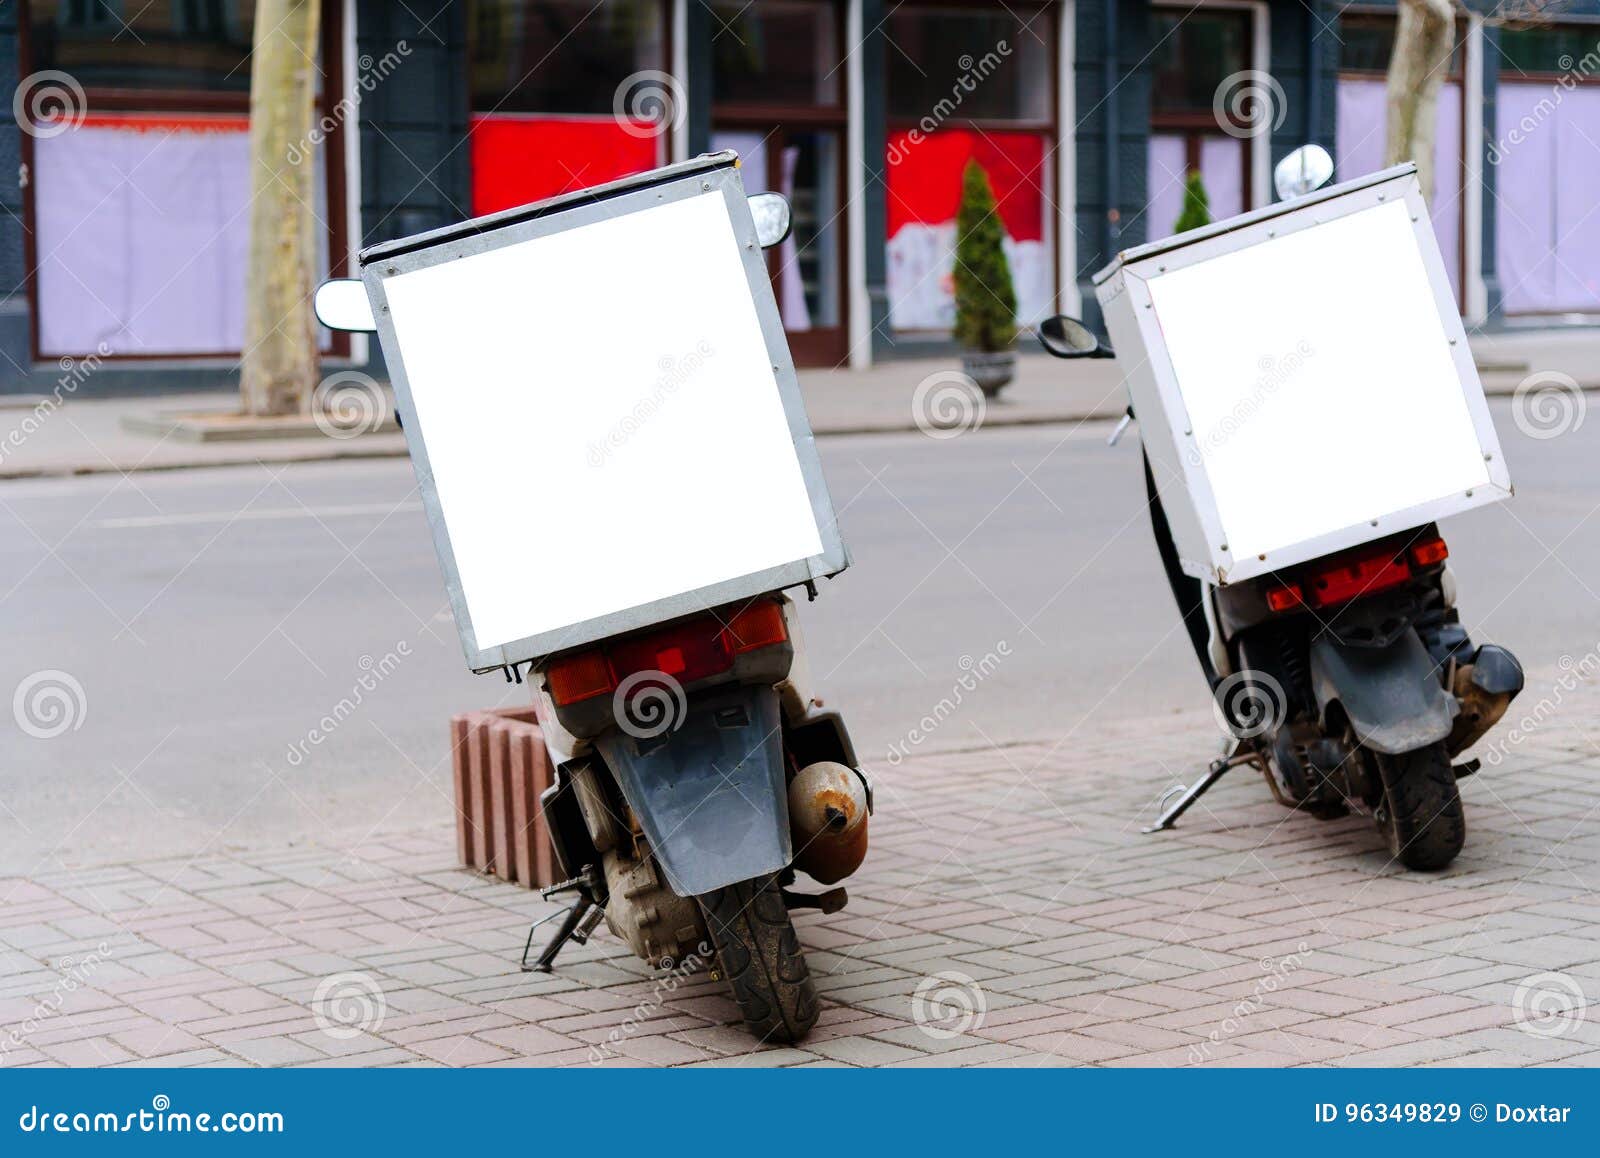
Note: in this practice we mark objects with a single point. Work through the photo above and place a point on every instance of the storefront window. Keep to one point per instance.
(775, 53)
(190, 45)
(565, 94)
(1531, 50)
(138, 199)
(559, 56)
(967, 85)
(1366, 42)
(1194, 54)
(990, 64)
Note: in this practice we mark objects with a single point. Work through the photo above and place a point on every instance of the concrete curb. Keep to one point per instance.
(391, 445)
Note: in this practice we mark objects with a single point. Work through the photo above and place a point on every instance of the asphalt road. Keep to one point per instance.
(212, 618)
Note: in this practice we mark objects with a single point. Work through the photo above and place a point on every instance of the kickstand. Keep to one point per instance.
(578, 920)
(1238, 752)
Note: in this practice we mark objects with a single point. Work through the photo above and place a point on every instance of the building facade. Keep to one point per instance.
(123, 239)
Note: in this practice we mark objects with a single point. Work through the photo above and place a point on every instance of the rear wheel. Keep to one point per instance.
(1420, 813)
(762, 959)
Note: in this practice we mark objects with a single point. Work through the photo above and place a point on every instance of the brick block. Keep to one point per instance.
(500, 768)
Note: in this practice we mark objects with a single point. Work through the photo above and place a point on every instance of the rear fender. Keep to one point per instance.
(710, 793)
(1390, 694)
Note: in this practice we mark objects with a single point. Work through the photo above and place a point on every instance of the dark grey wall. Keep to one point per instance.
(1303, 59)
(1113, 111)
(14, 318)
(415, 157)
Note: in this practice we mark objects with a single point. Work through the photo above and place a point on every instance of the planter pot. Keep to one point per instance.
(990, 371)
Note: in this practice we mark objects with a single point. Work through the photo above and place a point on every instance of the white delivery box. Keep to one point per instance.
(1301, 378)
(602, 411)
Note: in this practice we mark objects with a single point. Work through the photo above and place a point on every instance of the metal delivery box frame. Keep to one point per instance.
(1302, 378)
(602, 411)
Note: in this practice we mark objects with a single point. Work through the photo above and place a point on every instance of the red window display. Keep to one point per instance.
(924, 192)
(517, 159)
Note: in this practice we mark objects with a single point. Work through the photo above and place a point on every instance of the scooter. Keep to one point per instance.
(1348, 680)
(696, 776)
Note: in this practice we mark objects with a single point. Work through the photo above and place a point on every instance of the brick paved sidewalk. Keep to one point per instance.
(1010, 914)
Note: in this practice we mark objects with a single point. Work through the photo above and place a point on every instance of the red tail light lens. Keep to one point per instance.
(1429, 552)
(1285, 598)
(578, 677)
(1350, 578)
(757, 625)
(687, 651)
(692, 650)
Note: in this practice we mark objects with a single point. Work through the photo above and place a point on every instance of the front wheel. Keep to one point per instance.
(1420, 812)
(762, 959)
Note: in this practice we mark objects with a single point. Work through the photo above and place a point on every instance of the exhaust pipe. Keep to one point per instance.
(828, 821)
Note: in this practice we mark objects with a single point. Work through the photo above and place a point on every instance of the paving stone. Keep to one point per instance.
(1247, 936)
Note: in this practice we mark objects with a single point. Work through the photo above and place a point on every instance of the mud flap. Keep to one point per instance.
(710, 794)
(1391, 694)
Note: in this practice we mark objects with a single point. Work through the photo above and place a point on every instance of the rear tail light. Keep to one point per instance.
(1429, 552)
(687, 651)
(1286, 598)
(574, 678)
(757, 625)
(1365, 575)
(692, 650)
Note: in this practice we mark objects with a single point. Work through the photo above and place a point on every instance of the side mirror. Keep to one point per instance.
(341, 304)
(1308, 167)
(1069, 338)
(772, 216)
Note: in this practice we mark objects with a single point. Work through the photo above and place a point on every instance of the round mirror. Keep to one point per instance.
(341, 304)
(772, 217)
(1308, 167)
(1067, 337)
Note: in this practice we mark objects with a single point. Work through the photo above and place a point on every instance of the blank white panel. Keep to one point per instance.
(601, 418)
(1318, 380)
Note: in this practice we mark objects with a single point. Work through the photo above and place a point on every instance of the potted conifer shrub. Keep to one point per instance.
(1196, 205)
(986, 300)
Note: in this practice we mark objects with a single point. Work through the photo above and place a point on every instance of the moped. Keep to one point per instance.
(1348, 680)
(695, 773)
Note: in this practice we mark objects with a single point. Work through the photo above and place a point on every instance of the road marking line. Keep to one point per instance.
(272, 513)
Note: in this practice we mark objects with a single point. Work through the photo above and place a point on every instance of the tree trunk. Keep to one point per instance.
(278, 372)
(1422, 44)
